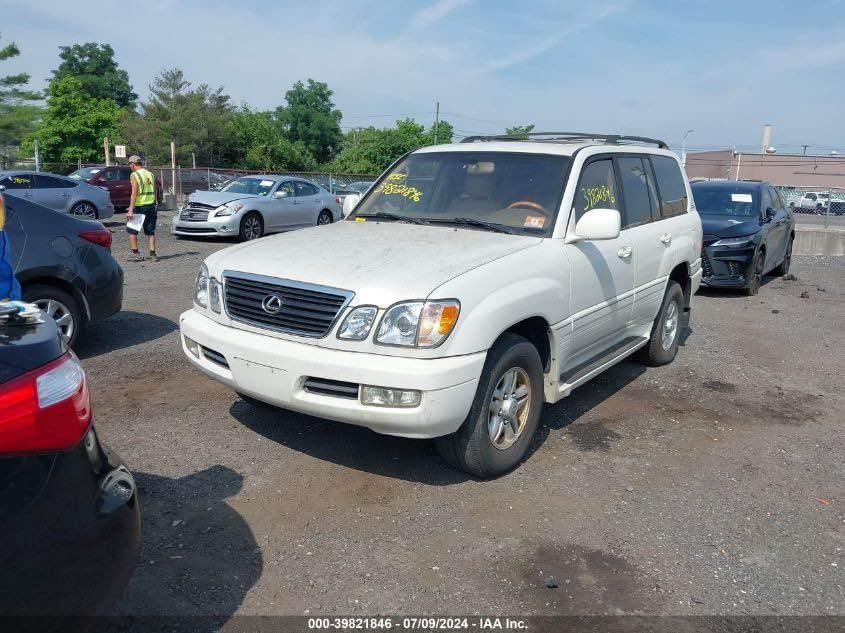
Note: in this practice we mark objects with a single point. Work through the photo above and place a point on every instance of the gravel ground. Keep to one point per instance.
(711, 486)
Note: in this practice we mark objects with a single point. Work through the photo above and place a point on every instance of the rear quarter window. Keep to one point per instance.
(670, 185)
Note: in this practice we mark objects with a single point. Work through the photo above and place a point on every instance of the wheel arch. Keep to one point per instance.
(681, 274)
(61, 284)
(538, 332)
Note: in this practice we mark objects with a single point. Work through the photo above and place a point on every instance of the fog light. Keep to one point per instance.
(384, 397)
(192, 346)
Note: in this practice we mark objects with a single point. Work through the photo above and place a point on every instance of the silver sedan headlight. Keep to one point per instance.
(418, 323)
(227, 209)
(201, 287)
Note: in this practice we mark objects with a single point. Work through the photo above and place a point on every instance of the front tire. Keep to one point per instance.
(505, 412)
(252, 227)
(666, 332)
(59, 306)
(755, 274)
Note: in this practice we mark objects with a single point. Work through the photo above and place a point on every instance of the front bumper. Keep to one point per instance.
(724, 267)
(275, 371)
(225, 226)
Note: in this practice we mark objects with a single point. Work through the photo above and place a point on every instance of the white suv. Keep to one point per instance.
(472, 283)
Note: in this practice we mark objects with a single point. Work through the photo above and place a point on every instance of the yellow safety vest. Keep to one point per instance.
(146, 187)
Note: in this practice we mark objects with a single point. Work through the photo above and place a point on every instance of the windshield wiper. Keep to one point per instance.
(481, 224)
(381, 215)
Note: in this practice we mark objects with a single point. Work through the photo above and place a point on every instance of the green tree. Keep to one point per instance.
(258, 142)
(311, 118)
(74, 123)
(520, 131)
(94, 66)
(372, 150)
(197, 119)
(18, 108)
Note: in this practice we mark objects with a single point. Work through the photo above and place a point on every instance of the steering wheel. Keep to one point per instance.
(529, 204)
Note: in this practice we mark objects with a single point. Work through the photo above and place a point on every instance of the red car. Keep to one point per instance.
(115, 178)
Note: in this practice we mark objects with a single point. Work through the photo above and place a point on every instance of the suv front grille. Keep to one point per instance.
(282, 305)
(201, 206)
(706, 267)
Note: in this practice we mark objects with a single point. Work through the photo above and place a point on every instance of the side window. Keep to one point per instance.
(811, 196)
(123, 173)
(637, 191)
(287, 186)
(112, 174)
(779, 205)
(51, 182)
(597, 188)
(766, 201)
(305, 189)
(17, 182)
(670, 185)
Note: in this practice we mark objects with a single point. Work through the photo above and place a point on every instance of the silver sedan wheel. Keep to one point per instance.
(670, 326)
(325, 218)
(510, 406)
(252, 228)
(60, 313)
(85, 209)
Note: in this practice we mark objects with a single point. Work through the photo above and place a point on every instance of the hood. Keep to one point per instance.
(216, 198)
(727, 226)
(381, 262)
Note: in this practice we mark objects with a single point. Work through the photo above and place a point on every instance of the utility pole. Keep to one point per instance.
(173, 167)
(436, 120)
(106, 150)
(194, 159)
(37, 156)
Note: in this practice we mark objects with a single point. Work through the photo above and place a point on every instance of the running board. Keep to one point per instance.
(580, 374)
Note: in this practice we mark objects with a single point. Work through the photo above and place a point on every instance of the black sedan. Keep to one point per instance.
(71, 520)
(64, 265)
(748, 233)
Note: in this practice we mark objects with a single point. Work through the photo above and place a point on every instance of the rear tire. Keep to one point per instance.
(325, 217)
(490, 443)
(61, 307)
(666, 332)
(783, 267)
(85, 209)
(252, 227)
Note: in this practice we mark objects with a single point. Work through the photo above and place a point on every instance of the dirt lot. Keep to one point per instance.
(711, 486)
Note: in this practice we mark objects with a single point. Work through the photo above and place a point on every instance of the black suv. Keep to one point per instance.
(748, 232)
(64, 265)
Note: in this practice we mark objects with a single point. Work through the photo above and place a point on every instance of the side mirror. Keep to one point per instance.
(598, 224)
(349, 203)
(280, 194)
(770, 214)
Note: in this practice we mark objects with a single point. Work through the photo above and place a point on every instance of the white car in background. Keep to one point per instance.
(59, 193)
(471, 284)
(811, 202)
(252, 206)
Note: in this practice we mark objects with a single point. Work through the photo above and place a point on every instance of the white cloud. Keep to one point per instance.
(434, 12)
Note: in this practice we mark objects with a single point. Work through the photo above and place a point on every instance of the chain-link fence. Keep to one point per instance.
(814, 200)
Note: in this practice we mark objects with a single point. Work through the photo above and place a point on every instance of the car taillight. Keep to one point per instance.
(101, 237)
(46, 409)
(338, 200)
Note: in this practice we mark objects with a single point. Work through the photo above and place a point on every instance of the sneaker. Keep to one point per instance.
(153, 257)
(135, 257)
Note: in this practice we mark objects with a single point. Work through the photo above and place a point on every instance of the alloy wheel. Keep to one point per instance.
(509, 408)
(85, 209)
(252, 228)
(325, 218)
(670, 326)
(60, 313)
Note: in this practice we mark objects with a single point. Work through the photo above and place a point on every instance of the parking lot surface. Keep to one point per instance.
(711, 486)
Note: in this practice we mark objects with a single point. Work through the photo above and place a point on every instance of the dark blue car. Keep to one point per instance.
(748, 233)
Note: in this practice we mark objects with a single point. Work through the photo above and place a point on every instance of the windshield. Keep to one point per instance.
(250, 185)
(85, 174)
(515, 190)
(721, 200)
(358, 187)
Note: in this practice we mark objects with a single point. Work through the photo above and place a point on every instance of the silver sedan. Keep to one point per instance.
(251, 206)
(58, 193)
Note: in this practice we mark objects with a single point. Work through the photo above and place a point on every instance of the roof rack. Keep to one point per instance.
(610, 139)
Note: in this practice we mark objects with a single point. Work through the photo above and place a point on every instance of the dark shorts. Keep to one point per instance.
(150, 219)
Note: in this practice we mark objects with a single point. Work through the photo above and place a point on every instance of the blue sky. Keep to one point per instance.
(656, 68)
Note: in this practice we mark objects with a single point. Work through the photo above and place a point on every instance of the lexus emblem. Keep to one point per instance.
(271, 304)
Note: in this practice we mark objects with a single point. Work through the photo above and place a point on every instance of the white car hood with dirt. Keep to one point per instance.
(381, 262)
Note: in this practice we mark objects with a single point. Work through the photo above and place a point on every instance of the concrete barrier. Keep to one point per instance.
(815, 240)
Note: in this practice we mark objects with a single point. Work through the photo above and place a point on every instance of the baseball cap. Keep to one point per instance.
(135, 159)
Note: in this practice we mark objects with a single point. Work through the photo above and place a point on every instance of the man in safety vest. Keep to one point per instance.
(142, 202)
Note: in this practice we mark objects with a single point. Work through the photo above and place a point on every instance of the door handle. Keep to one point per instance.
(666, 239)
(625, 252)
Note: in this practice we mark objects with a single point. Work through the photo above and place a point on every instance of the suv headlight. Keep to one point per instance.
(356, 326)
(227, 209)
(735, 242)
(418, 323)
(201, 287)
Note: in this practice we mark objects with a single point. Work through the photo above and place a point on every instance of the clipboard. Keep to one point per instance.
(136, 222)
